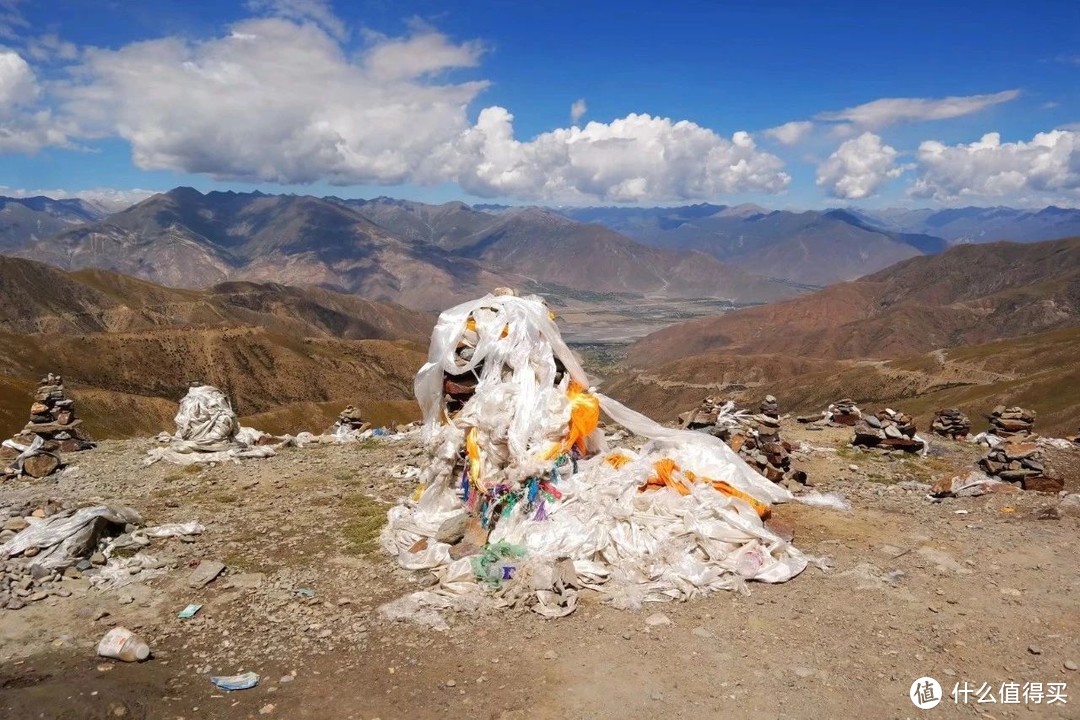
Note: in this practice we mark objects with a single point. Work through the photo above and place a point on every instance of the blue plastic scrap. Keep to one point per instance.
(189, 611)
(236, 682)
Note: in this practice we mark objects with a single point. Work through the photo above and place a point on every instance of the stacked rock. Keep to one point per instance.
(713, 412)
(755, 437)
(1012, 423)
(1023, 463)
(53, 420)
(350, 420)
(888, 430)
(951, 423)
(763, 448)
(844, 412)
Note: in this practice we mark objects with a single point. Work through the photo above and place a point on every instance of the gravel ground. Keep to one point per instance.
(971, 590)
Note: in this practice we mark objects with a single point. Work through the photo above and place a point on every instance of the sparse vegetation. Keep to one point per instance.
(368, 518)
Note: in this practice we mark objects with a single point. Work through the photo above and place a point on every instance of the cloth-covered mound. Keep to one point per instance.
(207, 430)
(521, 499)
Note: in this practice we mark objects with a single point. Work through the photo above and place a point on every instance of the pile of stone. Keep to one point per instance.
(887, 431)
(1014, 423)
(22, 582)
(350, 423)
(717, 416)
(843, 412)
(1022, 463)
(53, 426)
(763, 448)
(756, 438)
(951, 423)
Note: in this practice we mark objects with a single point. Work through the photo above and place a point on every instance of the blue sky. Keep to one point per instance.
(787, 104)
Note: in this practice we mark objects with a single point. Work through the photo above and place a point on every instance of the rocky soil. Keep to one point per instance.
(982, 590)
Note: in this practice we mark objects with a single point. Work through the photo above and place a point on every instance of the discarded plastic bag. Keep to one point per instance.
(68, 536)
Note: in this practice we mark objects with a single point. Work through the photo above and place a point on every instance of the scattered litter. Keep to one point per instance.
(68, 536)
(244, 681)
(120, 572)
(189, 611)
(122, 644)
(305, 592)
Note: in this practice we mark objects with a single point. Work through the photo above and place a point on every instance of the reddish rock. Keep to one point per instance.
(40, 466)
(783, 528)
(1041, 483)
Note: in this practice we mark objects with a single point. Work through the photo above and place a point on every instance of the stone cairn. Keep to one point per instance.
(52, 418)
(1022, 463)
(756, 438)
(951, 423)
(350, 421)
(844, 412)
(886, 431)
(1012, 423)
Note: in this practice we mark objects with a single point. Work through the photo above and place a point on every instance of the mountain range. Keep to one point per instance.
(428, 256)
(823, 247)
(419, 255)
(24, 220)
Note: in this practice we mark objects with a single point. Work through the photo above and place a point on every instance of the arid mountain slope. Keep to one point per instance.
(128, 348)
(184, 238)
(551, 249)
(1035, 371)
(969, 294)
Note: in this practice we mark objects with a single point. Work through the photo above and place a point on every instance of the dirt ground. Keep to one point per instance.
(977, 590)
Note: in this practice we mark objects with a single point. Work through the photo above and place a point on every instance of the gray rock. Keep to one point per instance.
(453, 529)
(205, 573)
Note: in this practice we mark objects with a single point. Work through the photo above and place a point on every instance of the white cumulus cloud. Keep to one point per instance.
(1046, 169)
(888, 111)
(633, 159)
(858, 168)
(578, 110)
(791, 133)
(25, 126)
(275, 101)
(278, 100)
(17, 83)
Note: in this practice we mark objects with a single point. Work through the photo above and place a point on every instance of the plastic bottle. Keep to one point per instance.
(122, 644)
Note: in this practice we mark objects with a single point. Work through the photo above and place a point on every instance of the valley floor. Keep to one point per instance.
(977, 590)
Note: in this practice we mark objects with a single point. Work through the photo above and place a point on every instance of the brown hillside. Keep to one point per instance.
(128, 348)
(970, 294)
(1035, 371)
